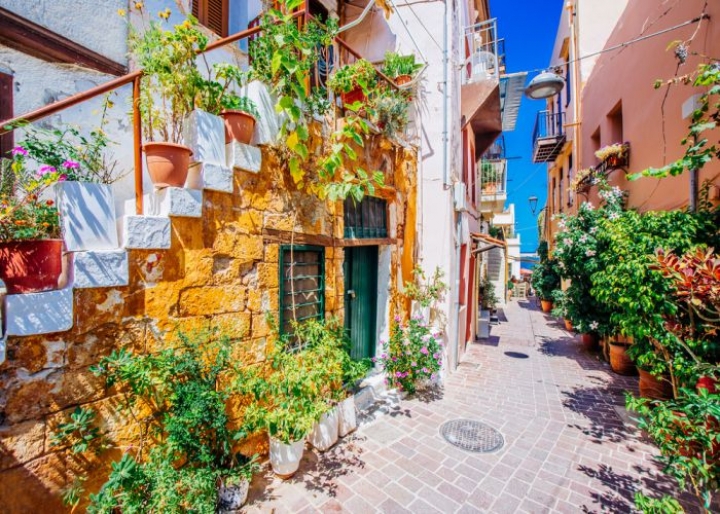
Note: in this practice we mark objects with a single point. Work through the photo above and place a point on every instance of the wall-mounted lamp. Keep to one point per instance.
(544, 85)
(533, 200)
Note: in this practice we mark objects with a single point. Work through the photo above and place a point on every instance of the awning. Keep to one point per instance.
(480, 109)
(511, 92)
(486, 242)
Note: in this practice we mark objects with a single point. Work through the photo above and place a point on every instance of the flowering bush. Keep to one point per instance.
(614, 150)
(581, 178)
(412, 354)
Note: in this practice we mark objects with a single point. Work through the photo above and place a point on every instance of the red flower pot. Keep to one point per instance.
(239, 126)
(402, 79)
(31, 266)
(546, 305)
(568, 325)
(707, 383)
(589, 341)
(167, 163)
(356, 95)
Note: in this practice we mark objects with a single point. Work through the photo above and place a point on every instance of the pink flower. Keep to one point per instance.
(397, 318)
(45, 169)
(62, 178)
(394, 359)
(436, 355)
(71, 165)
(425, 370)
(432, 377)
(424, 350)
(19, 150)
(413, 364)
(398, 374)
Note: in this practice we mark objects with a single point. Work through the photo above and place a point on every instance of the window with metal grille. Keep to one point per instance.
(366, 219)
(213, 14)
(302, 285)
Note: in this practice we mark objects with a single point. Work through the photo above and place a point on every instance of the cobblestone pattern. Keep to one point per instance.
(560, 411)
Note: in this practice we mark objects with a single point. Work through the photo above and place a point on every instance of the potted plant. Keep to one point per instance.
(615, 155)
(390, 112)
(285, 403)
(353, 81)
(545, 278)
(84, 194)
(489, 176)
(424, 293)
(400, 68)
(218, 97)
(30, 247)
(620, 361)
(171, 83)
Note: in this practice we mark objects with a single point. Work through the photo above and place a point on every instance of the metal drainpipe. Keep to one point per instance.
(456, 295)
(446, 88)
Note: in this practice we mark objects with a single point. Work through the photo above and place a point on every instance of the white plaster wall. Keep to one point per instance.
(94, 24)
(383, 301)
(597, 20)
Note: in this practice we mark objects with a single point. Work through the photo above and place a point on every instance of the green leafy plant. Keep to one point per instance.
(187, 442)
(412, 354)
(545, 278)
(426, 291)
(488, 294)
(360, 74)
(171, 81)
(396, 65)
(218, 94)
(79, 432)
(490, 174)
(390, 112)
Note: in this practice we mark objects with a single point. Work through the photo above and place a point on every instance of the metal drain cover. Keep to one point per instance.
(472, 436)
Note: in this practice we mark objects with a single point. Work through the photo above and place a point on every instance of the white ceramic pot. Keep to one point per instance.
(87, 216)
(231, 498)
(325, 432)
(285, 458)
(347, 419)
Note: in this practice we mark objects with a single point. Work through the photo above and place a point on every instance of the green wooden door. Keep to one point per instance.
(361, 269)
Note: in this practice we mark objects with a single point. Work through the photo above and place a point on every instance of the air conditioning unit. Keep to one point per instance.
(460, 196)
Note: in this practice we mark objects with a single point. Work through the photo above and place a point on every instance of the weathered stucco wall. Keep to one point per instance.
(221, 272)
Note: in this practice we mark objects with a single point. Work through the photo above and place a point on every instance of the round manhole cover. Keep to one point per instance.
(472, 436)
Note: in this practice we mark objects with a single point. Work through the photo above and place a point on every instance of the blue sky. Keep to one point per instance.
(528, 27)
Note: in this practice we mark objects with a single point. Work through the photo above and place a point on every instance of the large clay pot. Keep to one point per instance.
(167, 163)
(356, 95)
(619, 360)
(325, 432)
(546, 305)
(231, 498)
(239, 126)
(589, 341)
(31, 266)
(658, 388)
(347, 417)
(568, 325)
(285, 458)
(707, 383)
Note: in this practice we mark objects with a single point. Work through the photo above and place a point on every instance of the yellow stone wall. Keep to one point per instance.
(221, 272)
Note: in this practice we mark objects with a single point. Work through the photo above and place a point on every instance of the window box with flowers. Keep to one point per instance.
(614, 156)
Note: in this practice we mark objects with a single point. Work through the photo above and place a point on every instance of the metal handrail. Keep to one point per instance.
(134, 78)
(548, 124)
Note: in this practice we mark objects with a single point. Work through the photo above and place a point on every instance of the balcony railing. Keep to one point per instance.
(548, 136)
(339, 54)
(484, 52)
(493, 178)
(496, 150)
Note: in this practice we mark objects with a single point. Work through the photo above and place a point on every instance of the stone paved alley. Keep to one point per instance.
(559, 411)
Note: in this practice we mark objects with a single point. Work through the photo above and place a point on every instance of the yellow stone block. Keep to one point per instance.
(203, 301)
(268, 275)
(235, 325)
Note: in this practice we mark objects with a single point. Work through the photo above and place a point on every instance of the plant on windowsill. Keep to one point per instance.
(171, 83)
(218, 96)
(390, 112)
(401, 68)
(614, 155)
(582, 180)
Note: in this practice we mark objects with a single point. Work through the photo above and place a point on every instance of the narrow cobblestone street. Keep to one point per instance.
(560, 411)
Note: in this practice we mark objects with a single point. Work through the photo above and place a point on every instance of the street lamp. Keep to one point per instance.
(533, 200)
(544, 85)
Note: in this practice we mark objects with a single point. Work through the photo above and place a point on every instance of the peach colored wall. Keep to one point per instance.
(628, 76)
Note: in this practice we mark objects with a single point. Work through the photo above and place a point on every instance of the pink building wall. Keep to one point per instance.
(626, 77)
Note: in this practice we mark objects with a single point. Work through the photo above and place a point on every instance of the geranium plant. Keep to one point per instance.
(412, 355)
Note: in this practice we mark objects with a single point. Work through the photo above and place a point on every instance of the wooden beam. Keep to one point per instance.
(271, 235)
(366, 242)
(33, 39)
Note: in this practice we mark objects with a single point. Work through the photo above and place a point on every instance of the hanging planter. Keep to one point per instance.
(31, 266)
(352, 96)
(167, 163)
(239, 126)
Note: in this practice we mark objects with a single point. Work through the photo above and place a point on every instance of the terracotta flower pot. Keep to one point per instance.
(239, 126)
(658, 388)
(31, 266)
(167, 163)
(568, 325)
(619, 360)
(590, 341)
(546, 305)
(402, 79)
(356, 95)
(708, 383)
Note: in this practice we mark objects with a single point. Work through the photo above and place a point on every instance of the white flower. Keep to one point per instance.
(589, 253)
(594, 325)
(593, 230)
(613, 216)
(567, 242)
(583, 238)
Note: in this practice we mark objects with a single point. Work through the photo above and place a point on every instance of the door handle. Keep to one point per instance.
(351, 293)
